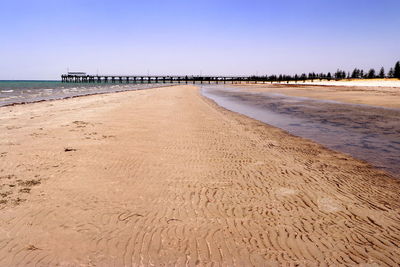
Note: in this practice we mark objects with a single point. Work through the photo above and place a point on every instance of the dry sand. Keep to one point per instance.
(166, 176)
(377, 96)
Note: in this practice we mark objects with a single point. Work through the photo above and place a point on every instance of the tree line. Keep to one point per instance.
(394, 72)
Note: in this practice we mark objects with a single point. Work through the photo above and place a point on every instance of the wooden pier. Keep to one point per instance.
(81, 77)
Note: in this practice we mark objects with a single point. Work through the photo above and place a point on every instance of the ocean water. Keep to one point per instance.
(14, 92)
(365, 132)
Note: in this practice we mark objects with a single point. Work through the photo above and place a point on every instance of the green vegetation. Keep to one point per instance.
(338, 75)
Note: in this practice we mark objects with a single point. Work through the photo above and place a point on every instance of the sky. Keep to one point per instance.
(41, 39)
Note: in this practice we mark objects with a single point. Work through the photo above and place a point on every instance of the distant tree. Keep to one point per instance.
(329, 76)
(382, 73)
(312, 76)
(303, 77)
(338, 74)
(362, 74)
(296, 77)
(391, 73)
(396, 72)
(355, 74)
(371, 74)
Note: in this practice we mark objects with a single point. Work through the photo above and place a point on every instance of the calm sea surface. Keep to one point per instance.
(12, 92)
(365, 132)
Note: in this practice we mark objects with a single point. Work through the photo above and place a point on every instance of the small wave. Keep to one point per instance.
(7, 91)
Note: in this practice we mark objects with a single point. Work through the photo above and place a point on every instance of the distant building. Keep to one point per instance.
(76, 73)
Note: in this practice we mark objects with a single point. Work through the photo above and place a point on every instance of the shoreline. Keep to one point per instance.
(168, 176)
(335, 125)
(370, 165)
(83, 95)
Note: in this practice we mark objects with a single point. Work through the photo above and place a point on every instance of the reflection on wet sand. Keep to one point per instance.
(365, 132)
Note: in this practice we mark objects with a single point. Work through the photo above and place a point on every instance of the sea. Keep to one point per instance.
(19, 92)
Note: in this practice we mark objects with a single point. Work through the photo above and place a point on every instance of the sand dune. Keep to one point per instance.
(166, 176)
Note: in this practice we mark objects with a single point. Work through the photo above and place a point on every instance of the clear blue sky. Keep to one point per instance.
(41, 39)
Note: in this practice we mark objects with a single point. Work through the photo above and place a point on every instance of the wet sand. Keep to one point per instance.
(369, 95)
(166, 176)
(378, 82)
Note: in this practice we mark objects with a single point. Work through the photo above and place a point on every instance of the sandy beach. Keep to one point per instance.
(165, 176)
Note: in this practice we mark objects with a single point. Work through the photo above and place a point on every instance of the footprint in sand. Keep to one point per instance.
(29, 183)
(80, 124)
(25, 190)
(12, 127)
